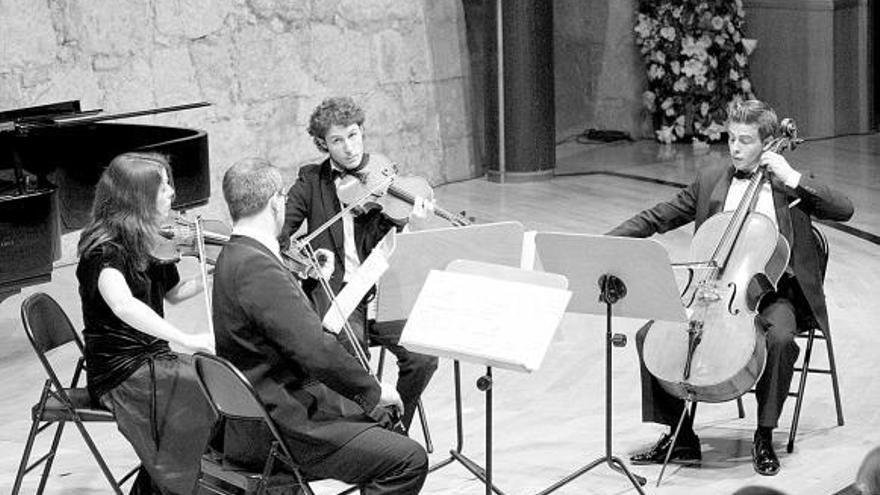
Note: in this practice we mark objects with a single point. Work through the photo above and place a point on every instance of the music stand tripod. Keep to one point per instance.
(609, 260)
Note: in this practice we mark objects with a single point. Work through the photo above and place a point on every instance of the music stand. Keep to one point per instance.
(414, 256)
(611, 276)
(492, 315)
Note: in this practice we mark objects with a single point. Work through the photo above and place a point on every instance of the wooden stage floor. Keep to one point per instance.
(551, 422)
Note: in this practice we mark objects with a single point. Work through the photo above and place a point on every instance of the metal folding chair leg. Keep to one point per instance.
(48, 458)
(802, 385)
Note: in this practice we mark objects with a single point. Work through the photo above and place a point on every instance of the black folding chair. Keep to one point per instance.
(233, 397)
(812, 333)
(48, 328)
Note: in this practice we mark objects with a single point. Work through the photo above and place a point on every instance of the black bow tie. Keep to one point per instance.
(742, 174)
(335, 173)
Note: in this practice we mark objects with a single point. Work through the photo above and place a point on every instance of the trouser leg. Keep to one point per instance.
(377, 460)
(779, 320)
(414, 370)
(658, 405)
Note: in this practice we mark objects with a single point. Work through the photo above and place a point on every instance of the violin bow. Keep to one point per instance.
(203, 269)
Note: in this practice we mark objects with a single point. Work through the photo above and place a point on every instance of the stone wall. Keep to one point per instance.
(263, 64)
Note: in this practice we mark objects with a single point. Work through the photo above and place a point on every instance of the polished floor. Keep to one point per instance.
(551, 422)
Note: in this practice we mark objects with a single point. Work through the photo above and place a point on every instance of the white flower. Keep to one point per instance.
(693, 49)
(655, 72)
(714, 131)
(668, 33)
(713, 62)
(704, 109)
(710, 85)
(736, 37)
(659, 57)
(664, 134)
(644, 26)
(740, 59)
(675, 66)
(668, 107)
(720, 40)
(717, 23)
(734, 75)
(746, 85)
(679, 129)
(680, 85)
(676, 12)
(700, 80)
(679, 121)
(694, 68)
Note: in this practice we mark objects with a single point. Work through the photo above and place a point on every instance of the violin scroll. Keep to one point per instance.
(178, 238)
(788, 138)
(299, 263)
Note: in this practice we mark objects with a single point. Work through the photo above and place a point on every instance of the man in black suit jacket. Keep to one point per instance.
(266, 326)
(790, 201)
(336, 126)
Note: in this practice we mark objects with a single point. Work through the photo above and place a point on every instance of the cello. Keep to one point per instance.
(722, 352)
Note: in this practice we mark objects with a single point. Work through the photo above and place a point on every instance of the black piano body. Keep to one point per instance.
(48, 175)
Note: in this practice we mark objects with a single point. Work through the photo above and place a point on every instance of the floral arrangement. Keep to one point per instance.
(697, 63)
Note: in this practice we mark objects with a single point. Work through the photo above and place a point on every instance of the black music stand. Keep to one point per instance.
(611, 276)
(453, 337)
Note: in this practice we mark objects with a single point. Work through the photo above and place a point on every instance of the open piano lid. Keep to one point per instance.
(51, 157)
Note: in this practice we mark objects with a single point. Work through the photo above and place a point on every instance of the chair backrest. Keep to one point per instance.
(46, 324)
(822, 244)
(48, 327)
(231, 393)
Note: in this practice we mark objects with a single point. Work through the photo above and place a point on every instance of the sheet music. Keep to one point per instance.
(359, 284)
(485, 320)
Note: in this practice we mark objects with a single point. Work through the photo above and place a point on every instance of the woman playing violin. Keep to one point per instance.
(789, 199)
(337, 127)
(152, 390)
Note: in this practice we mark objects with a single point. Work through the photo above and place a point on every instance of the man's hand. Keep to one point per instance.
(418, 217)
(778, 166)
(390, 397)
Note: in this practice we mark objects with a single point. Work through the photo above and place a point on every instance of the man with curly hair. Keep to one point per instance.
(337, 127)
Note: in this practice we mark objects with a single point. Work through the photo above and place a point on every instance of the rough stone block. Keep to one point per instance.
(190, 18)
(111, 26)
(26, 34)
(173, 73)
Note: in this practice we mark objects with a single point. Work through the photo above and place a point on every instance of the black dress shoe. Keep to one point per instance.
(686, 451)
(764, 457)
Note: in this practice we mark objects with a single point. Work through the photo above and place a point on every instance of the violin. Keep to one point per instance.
(377, 182)
(721, 354)
(178, 238)
(185, 237)
(300, 264)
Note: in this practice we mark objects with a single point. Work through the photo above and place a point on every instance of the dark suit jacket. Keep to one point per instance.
(264, 324)
(313, 198)
(705, 196)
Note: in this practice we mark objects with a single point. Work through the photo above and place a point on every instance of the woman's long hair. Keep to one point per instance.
(124, 211)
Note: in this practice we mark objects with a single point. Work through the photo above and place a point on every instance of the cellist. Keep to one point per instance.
(790, 199)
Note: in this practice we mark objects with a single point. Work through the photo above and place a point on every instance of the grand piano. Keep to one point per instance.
(51, 157)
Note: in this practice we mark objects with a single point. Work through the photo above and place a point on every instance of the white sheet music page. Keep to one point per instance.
(485, 320)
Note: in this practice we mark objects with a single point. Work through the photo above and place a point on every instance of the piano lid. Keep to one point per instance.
(51, 157)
